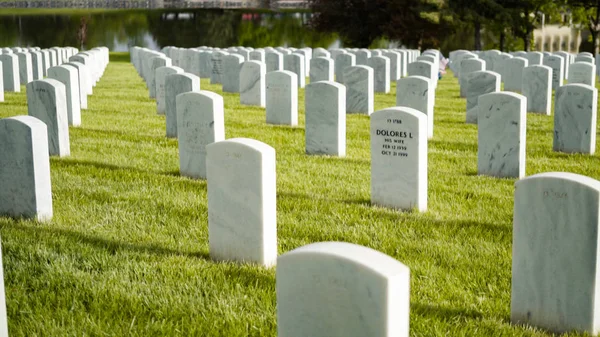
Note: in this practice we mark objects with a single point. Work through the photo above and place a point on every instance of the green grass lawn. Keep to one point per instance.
(126, 253)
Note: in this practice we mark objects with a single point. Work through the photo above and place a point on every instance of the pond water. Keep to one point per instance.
(118, 30)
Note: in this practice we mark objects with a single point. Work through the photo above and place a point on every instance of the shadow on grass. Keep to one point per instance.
(106, 244)
(454, 146)
(66, 162)
(125, 136)
(443, 313)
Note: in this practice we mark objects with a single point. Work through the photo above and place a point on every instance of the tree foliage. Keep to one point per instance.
(360, 22)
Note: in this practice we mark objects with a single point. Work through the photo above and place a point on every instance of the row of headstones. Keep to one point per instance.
(556, 221)
(186, 117)
(23, 65)
(579, 68)
(26, 142)
(225, 68)
(208, 62)
(278, 93)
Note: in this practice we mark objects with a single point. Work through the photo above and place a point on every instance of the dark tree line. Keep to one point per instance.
(426, 23)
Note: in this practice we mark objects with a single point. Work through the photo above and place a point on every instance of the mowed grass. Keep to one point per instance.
(126, 253)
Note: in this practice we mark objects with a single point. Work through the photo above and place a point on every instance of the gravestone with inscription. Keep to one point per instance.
(161, 76)
(584, 73)
(325, 110)
(565, 56)
(575, 115)
(10, 72)
(321, 69)
(341, 289)
(176, 84)
(24, 173)
(296, 64)
(47, 101)
(232, 65)
(342, 62)
(417, 92)
(67, 75)
(200, 121)
(252, 83)
(555, 63)
(282, 98)
(501, 126)
(555, 253)
(537, 87)
(359, 89)
(242, 219)
(381, 73)
(399, 158)
(479, 83)
(216, 66)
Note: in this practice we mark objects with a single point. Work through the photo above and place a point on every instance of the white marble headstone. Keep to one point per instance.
(342, 62)
(68, 76)
(242, 220)
(253, 84)
(177, 84)
(584, 73)
(325, 110)
(394, 64)
(555, 63)
(501, 126)
(36, 65)
(534, 58)
(555, 275)
(10, 72)
(25, 67)
(282, 98)
(24, 174)
(381, 73)
(200, 121)
(341, 289)
(216, 66)
(417, 92)
(274, 61)
(359, 89)
(399, 158)
(321, 69)
(468, 66)
(161, 76)
(537, 88)
(362, 57)
(479, 83)
(155, 63)
(83, 77)
(296, 64)
(423, 68)
(47, 101)
(575, 115)
(232, 64)
(512, 74)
